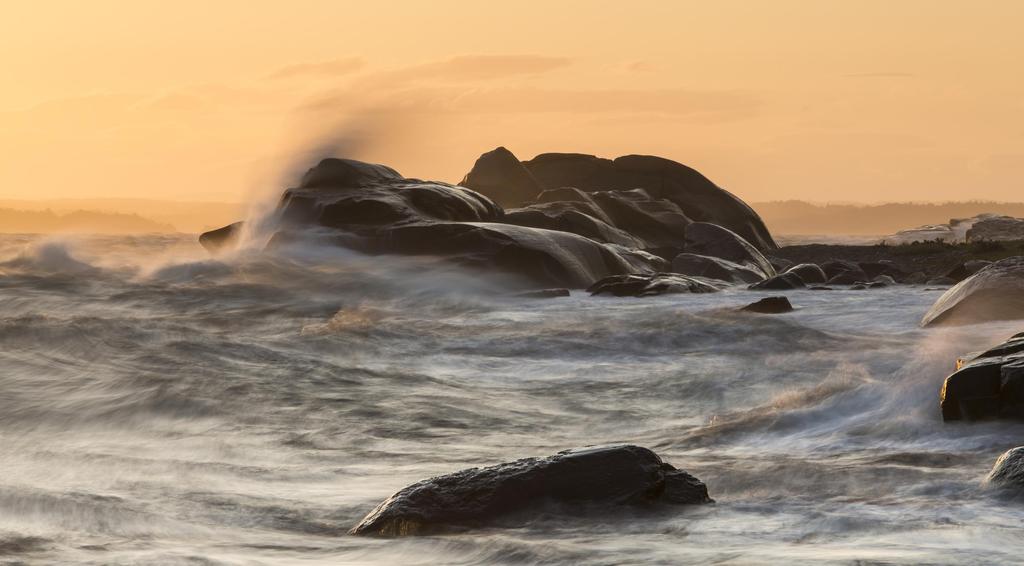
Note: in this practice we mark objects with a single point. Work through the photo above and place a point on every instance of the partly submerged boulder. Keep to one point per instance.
(1008, 471)
(783, 282)
(716, 241)
(714, 268)
(220, 238)
(996, 292)
(645, 285)
(809, 273)
(577, 480)
(986, 385)
(698, 198)
(770, 305)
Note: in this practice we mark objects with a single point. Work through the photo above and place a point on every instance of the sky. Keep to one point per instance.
(218, 100)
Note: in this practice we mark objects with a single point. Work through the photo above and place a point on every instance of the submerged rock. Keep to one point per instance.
(986, 385)
(770, 305)
(642, 285)
(543, 294)
(786, 281)
(574, 479)
(809, 273)
(215, 240)
(1008, 471)
(996, 292)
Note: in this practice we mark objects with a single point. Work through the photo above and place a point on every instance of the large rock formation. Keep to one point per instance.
(697, 197)
(715, 241)
(500, 176)
(992, 228)
(715, 268)
(996, 292)
(574, 480)
(637, 285)
(986, 385)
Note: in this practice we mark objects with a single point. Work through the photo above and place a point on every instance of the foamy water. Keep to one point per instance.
(160, 406)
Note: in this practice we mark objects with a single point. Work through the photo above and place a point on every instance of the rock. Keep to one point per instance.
(820, 288)
(940, 281)
(882, 281)
(499, 175)
(783, 282)
(716, 241)
(847, 278)
(873, 269)
(809, 273)
(373, 209)
(770, 305)
(543, 294)
(218, 239)
(578, 480)
(639, 285)
(698, 198)
(996, 292)
(858, 287)
(916, 278)
(714, 268)
(966, 269)
(836, 267)
(780, 264)
(1008, 472)
(565, 217)
(996, 229)
(987, 385)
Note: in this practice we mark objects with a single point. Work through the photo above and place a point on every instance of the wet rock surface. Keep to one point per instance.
(580, 480)
(1008, 471)
(769, 305)
(641, 285)
(986, 385)
(996, 292)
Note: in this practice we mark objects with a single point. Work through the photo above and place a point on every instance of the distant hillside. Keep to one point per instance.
(47, 221)
(181, 215)
(799, 217)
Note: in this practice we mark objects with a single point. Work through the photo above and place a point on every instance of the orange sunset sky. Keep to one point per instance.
(213, 100)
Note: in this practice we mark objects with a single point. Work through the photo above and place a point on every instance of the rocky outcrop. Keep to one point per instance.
(996, 292)
(643, 285)
(715, 241)
(500, 176)
(966, 269)
(1008, 471)
(221, 237)
(986, 385)
(770, 305)
(994, 228)
(586, 479)
(714, 268)
(699, 199)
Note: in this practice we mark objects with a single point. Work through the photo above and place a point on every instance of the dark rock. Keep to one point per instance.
(996, 292)
(565, 217)
(783, 282)
(499, 175)
(847, 278)
(714, 268)
(543, 294)
(858, 287)
(637, 285)
(780, 264)
(966, 269)
(996, 228)
(834, 267)
(873, 269)
(716, 241)
(941, 281)
(820, 288)
(1008, 472)
(916, 278)
(809, 273)
(577, 480)
(987, 385)
(882, 281)
(218, 239)
(698, 198)
(770, 305)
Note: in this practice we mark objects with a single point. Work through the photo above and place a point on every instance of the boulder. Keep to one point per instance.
(809, 273)
(716, 241)
(543, 294)
(373, 209)
(966, 269)
(835, 267)
(698, 198)
(216, 240)
(643, 285)
(565, 217)
(780, 264)
(847, 278)
(1008, 472)
(986, 385)
(873, 269)
(940, 281)
(996, 292)
(770, 305)
(499, 175)
(714, 268)
(581, 480)
(996, 228)
(784, 282)
(882, 281)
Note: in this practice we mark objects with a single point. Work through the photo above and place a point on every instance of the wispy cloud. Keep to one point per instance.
(336, 67)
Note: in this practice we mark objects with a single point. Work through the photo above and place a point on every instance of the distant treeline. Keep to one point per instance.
(800, 217)
(85, 221)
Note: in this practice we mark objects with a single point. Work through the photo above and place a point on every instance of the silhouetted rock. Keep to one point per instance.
(642, 285)
(770, 305)
(575, 480)
(966, 269)
(1008, 471)
(499, 175)
(779, 263)
(215, 240)
(836, 267)
(543, 294)
(941, 281)
(715, 241)
(809, 273)
(698, 198)
(987, 385)
(873, 269)
(994, 228)
(714, 268)
(784, 282)
(996, 292)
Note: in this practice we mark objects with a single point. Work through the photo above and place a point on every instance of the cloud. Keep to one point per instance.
(332, 68)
